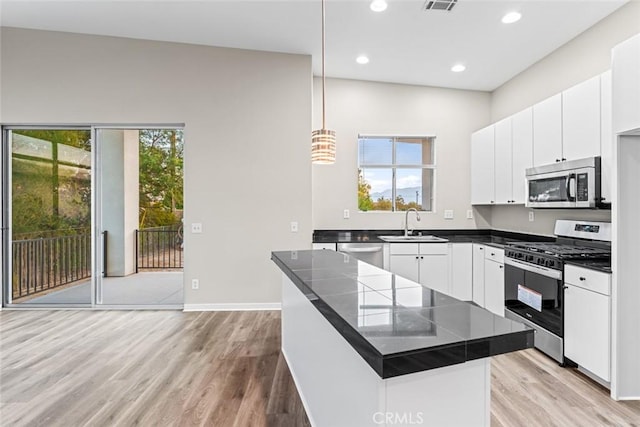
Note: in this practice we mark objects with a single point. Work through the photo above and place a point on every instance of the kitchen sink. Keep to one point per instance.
(426, 238)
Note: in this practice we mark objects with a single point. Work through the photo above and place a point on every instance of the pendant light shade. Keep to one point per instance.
(323, 141)
(323, 146)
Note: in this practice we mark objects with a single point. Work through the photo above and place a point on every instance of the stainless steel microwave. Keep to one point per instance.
(570, 184)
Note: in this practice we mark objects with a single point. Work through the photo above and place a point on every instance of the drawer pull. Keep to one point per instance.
(582, 279)
(492, 254)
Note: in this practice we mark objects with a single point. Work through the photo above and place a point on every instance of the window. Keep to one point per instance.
(395, 173)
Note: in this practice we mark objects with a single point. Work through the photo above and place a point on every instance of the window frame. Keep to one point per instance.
(394, 166)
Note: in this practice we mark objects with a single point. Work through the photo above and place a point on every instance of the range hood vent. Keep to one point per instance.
(445, 5)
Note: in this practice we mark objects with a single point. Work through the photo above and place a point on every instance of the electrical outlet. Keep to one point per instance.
(470, 214)
(346, 214)
(195, 284)
(448, 214)
(294, 226)
(196, 227)
(531, 216)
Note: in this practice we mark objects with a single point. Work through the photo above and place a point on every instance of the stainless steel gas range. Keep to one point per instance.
(534, 271)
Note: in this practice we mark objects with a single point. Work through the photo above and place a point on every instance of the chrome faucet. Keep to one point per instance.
(406, 219)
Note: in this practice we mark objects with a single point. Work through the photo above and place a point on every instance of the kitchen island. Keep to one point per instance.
(367, 347)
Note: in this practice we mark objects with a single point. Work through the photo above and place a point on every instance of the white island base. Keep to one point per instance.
(338, 388)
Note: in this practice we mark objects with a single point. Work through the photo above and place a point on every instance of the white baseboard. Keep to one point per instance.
(233, 306)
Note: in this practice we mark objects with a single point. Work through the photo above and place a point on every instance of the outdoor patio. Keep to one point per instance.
(145, 288)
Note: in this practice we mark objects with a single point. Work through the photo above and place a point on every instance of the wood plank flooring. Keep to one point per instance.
(151, 368)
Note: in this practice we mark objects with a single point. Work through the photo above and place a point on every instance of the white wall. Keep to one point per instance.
(247, 118)
(358, 107)
(586, 56)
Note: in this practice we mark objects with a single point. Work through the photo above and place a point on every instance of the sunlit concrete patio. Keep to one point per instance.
(146, 288)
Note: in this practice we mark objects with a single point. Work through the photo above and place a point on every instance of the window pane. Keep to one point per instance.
(414, 151)
(375, 151)
(375, 189)
(414, 188)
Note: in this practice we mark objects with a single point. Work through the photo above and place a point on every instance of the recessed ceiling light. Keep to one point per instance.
(511, 17)
(458, 68)
(362, 59)
(378, 5)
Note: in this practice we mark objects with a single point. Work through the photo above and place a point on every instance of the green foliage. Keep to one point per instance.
(50, 197)
(364, 198)
(161, 177)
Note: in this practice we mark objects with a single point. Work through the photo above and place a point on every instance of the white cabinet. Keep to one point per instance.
(587, 320)
(581, 120)
(478, 274)
(482, 167)
(521, 152)
(461, 266)
(407, 266)
(494, 280)
(606, 138)
(547, 131)
(488, 278)
(425, 263)
(330, 246)
(502, 162)
(625, 60)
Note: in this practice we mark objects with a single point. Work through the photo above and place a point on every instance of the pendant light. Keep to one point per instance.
(323, 141)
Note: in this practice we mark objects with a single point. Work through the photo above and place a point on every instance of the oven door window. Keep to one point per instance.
(535, 297)
(549, 189)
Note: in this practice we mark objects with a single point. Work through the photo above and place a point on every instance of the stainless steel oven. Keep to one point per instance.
(534, 294)
(534, 288)
(571, 184)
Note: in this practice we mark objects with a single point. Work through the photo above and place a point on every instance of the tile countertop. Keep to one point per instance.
(398, 326)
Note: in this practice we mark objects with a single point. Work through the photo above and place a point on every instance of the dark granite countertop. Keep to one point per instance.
(603, 265)
(495, 238)
(398, 326)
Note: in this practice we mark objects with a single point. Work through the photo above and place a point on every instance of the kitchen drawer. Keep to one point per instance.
(403, 248)
(585, 278)
(434, 249)
(494, 254)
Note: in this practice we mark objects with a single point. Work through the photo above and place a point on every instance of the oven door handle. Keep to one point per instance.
(543, 271)
(571, 195)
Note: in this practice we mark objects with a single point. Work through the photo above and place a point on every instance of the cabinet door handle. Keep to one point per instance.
(502, 266)
(582, 279)
(564, 160)
(557, 160)
(493, 254)
(421, 257)
(565, 287)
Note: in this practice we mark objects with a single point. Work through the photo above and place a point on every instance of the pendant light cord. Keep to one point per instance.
(323, 89)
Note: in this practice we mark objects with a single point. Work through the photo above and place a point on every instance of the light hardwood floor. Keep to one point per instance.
(148, 368)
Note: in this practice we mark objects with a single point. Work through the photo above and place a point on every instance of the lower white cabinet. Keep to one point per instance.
(494, 287)
(461, 264)
(425, 263)
(478, 274)
(330, 246)
(587, 320)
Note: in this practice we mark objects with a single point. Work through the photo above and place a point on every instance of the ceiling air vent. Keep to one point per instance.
(445, 5)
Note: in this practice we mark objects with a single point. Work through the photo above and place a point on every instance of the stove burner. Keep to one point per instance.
(560, 250)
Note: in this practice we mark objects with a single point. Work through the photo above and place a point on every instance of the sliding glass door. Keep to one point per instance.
(48, 216)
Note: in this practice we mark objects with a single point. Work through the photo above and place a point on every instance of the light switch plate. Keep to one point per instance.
(346, 214)
(531, 216)
(448, 214)
(196, 227)
(470, 214)
(294, 226)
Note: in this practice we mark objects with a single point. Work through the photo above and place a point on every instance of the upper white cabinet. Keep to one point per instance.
(547, 131)
(502, 162)
(521, 152)
(625, 59)
(606, 137)
(482, 167)
(581, 120)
